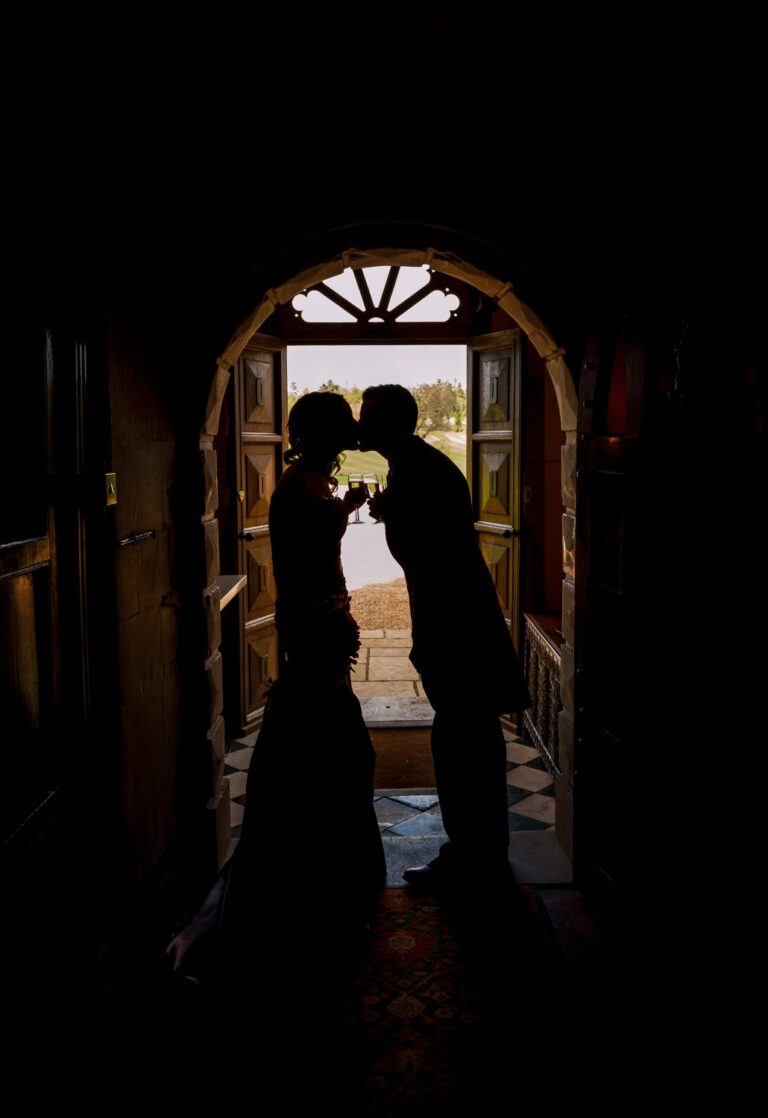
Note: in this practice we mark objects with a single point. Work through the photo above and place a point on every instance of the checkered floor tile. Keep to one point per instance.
(415, 815)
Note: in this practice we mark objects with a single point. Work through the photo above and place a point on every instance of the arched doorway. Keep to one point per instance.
(271, 401)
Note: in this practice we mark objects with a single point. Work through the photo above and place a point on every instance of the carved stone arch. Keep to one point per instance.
(502, 291)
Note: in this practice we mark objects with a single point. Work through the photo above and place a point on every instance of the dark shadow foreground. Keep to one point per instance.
(445, 1005)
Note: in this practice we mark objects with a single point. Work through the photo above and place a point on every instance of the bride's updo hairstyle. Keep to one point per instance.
(320, 425)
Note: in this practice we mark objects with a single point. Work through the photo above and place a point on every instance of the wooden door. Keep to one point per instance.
(57, 703)
(53, 511)
(494, 377)
(29, 647)
(261, 414)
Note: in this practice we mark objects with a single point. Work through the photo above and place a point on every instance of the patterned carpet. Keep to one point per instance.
(444, 1007)
(438, 1018)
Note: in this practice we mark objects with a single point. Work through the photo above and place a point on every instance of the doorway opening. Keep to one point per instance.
(511, 337)
(385, 681)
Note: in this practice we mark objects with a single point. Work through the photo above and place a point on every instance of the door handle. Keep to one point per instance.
(508, 533)
(136, 537)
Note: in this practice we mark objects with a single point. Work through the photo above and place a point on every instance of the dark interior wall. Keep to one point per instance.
(143, 399)
(682, 669)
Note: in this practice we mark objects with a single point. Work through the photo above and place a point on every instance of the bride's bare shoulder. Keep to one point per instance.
(300, 483)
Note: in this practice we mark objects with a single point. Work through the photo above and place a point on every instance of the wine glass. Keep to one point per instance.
(357, 482)
(376, 486)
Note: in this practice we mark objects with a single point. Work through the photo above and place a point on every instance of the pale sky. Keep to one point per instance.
(362, 365)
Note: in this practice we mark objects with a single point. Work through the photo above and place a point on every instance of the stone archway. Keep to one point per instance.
(553, 355)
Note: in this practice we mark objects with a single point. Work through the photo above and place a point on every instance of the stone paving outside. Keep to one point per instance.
(383, 667)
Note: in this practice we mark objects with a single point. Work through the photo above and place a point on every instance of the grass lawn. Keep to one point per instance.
(357, 462)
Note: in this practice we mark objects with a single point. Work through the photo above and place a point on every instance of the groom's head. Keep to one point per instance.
(388, 413)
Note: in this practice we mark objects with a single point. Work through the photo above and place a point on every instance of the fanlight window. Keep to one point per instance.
(381, 294)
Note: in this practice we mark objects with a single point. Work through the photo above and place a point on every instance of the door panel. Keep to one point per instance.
(259, 390)
(261, 412)
(496, 387)
(495, 477)
(260, 591)
(493, 383)
(261, 666)
(497, 554)
(260, 469)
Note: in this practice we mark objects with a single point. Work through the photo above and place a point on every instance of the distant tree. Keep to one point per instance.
(459, 411)
(354, 397)
(293, 393)
(442, 406)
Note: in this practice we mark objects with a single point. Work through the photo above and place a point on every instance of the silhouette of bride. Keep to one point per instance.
(310, 849)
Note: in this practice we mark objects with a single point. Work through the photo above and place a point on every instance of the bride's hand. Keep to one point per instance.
(354, 498)
(203, 921)
(343, 636)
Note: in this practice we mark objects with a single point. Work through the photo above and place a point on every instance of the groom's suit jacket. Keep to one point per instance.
(461, 643)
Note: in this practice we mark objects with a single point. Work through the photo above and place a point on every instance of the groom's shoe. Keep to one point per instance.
(442, 873)
(434, 875)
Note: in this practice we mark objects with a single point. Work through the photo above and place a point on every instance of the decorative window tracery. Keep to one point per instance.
(384, 295)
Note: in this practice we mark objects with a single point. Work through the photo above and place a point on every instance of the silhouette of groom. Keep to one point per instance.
(461, 644)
